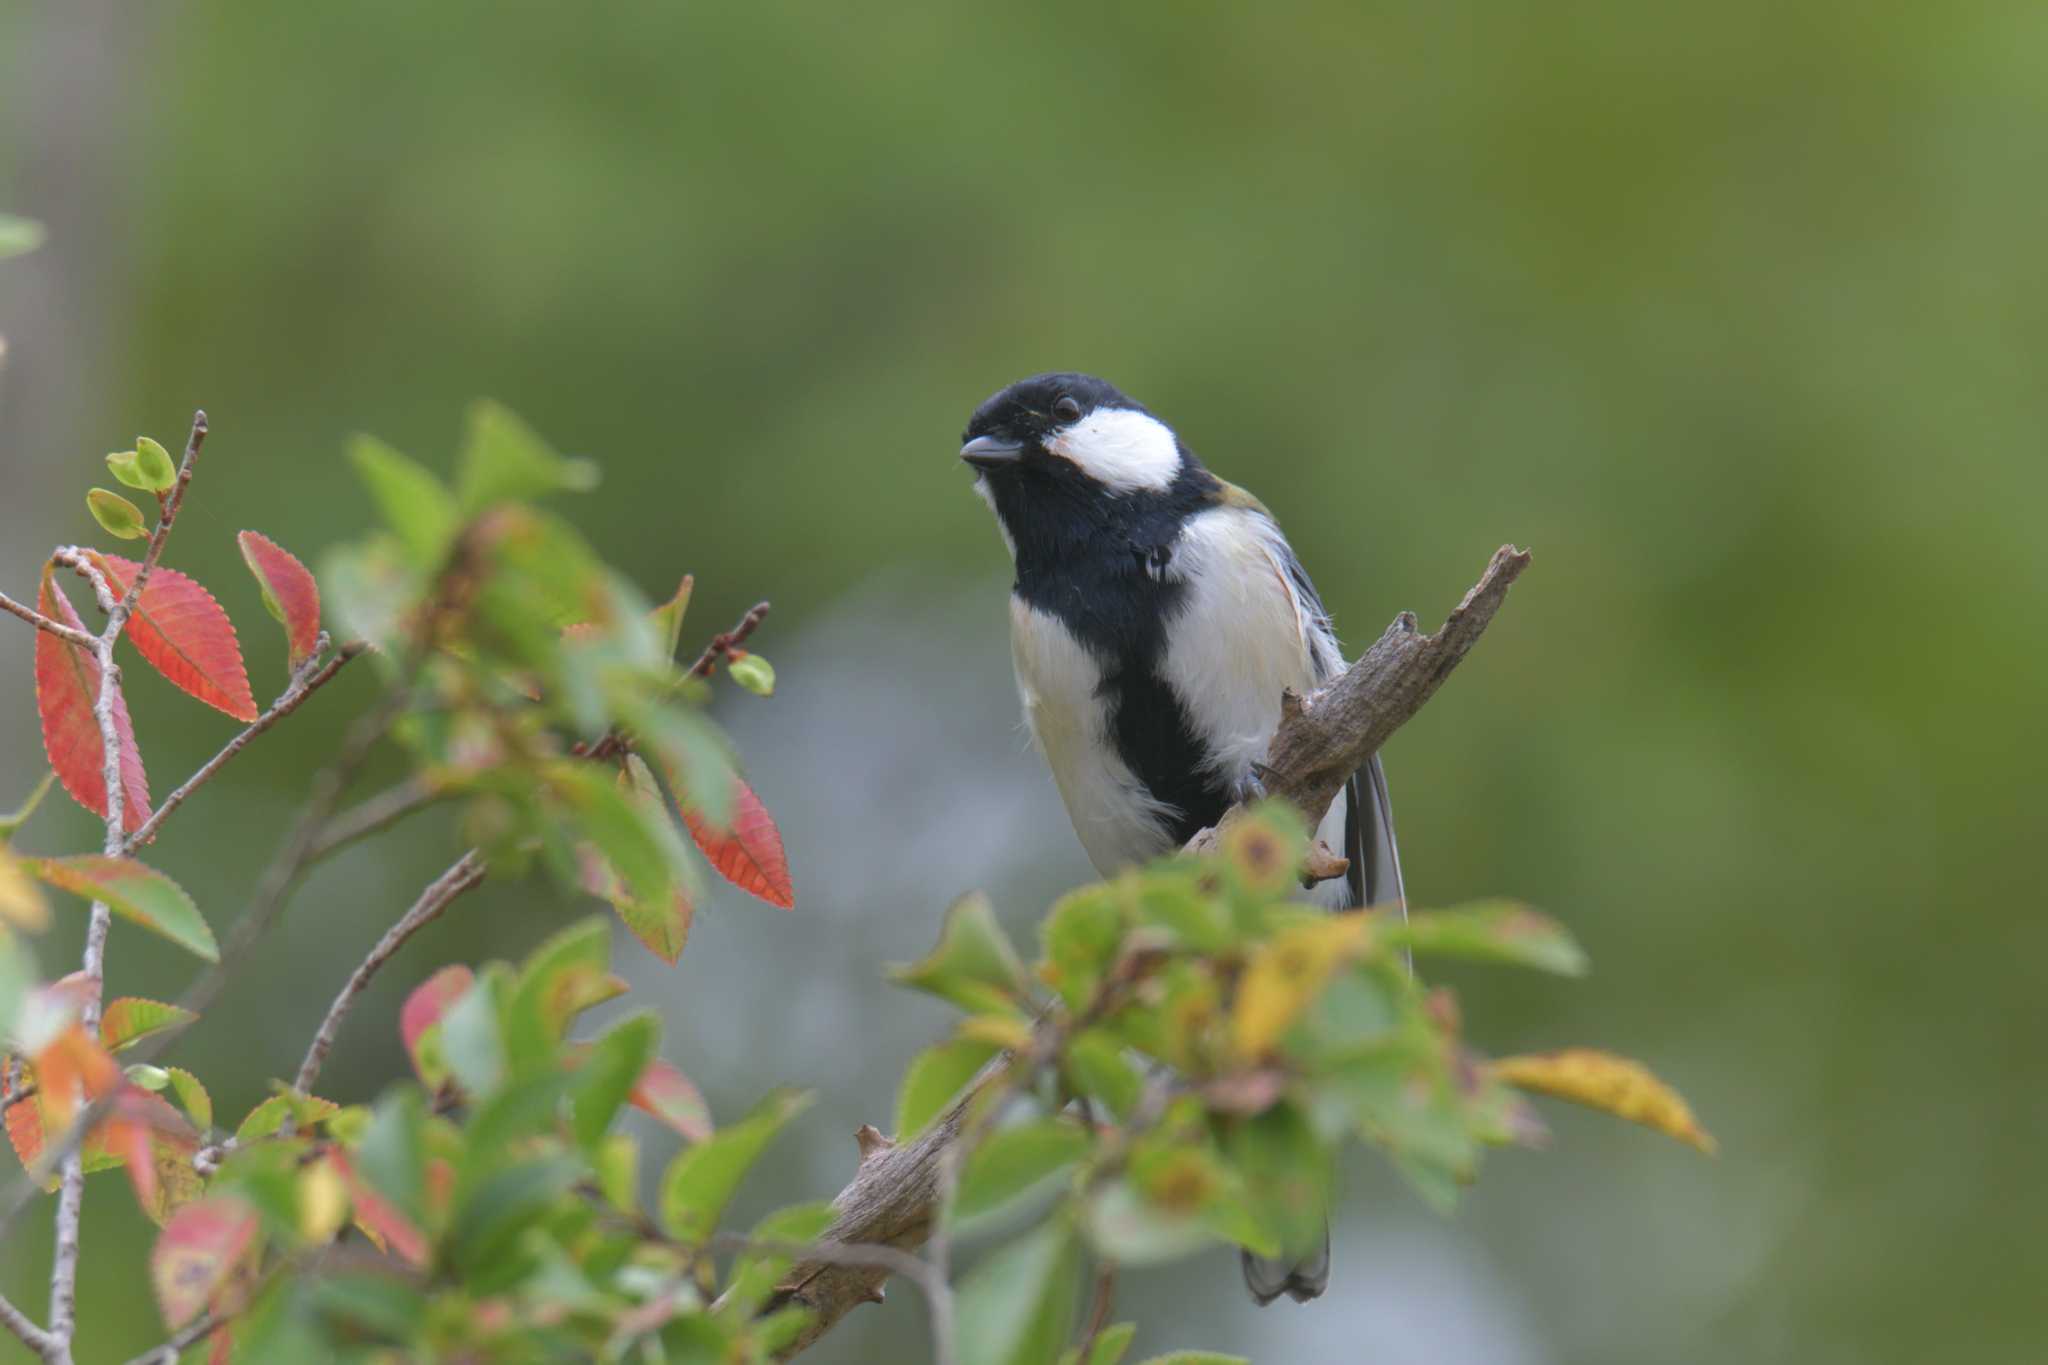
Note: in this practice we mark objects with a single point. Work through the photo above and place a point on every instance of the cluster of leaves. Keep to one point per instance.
(499, 1205)
(531, 682)
(1188, 1053)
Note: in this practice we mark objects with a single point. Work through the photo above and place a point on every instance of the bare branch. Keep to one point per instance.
(42, 622)
(181, 1340)
(312, 675)
(32, 1336)
(374, 814)
(1099, 1311)
(1321, 741)
(1327, 736)
(726, 642)
(466, 873)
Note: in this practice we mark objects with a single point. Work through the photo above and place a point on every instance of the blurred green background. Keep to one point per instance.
(1735, 313)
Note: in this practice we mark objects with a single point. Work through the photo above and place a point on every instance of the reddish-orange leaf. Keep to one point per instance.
(667, 1094)
(25, 1125)
(71, 1070)
(378, 1216)
(196, 1254)
(749, 854)
(153, 1141)
(664, 926)
(423, 1009)
(288, 590)
(67, 683)
(185, 635)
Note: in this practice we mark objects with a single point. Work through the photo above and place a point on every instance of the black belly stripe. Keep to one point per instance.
(1099, 567)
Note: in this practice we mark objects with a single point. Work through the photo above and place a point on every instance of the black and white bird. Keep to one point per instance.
(1157, 614)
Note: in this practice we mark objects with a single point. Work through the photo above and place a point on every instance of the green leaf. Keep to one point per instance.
(130, 1019)
(371, 590)
(1018, 1304)
(609, 1071)
(1127, 1228)
(1081, 936)
(1196, 1358)
(18, 235)
(933, 1078)
(1492, 931)
(116, 515)
(484, 1241)
(568, 973)
(154, 464)
(366, 1302)
(1096, 1066)
(1286, 1174)
(502, 460)
(134, 892)
(1110, 1344)
(752, 672)
(18, 817)
(1172, 899)
(472, 1040)
(1013, 1162)
(617, 1164)
(973, 965)
(392, 1157)
(700, 1182)
(126, 466)
(414, 503)
(192, 1096)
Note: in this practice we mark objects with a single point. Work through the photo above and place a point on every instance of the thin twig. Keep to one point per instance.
(312, 675)
(373, 814)
(183, 1338)
(171, 504)
(32, 1336)
(466, 873)
(1098, 1314)
(42, 622)
(725, 643)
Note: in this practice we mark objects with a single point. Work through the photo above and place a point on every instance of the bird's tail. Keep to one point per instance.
(1374, 878)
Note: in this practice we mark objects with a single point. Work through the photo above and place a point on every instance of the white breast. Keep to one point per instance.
(1115, 817)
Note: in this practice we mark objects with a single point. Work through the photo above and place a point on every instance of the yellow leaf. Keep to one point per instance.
(21, 900)
(1286, 974)
(1602, 1080)
(323, 1203)
(1008, 1031)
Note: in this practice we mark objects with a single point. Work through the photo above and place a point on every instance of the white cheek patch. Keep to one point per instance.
(1125, 451)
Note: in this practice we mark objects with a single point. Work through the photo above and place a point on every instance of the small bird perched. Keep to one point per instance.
(1156, 617)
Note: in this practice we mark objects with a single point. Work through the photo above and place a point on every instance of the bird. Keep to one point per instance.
(1156, 616)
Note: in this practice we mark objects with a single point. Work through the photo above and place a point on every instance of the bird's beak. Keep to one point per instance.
(991, 452)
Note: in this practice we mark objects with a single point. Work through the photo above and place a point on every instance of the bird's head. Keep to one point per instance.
(1068, 438)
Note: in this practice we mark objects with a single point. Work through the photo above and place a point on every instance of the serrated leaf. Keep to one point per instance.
(192, 1095)
(130, 1019)
(933, 1078)
(184, 634)
(67, 684)
(1601, 1080)
(413, 502)
(502, 460)
(1492, 931)
(289, 592)
(197, 1252)
(134, 892)
(1017, 1306)
(667, 1094)
(116, 515)
(747, 851)
(420, 1016)
(1080, 936)
(973, 964)
(1013, 1162)
(701, 1181)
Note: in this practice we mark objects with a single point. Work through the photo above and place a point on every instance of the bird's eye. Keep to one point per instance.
(1067, 409)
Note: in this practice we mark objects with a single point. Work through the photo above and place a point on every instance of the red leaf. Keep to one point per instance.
(25, 1127)
(423, 1009)
(185, 635)
(67, 682)
(196, 1254)
(378, 1216)
(667, 1094)
(288, 590)
(749, 854)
